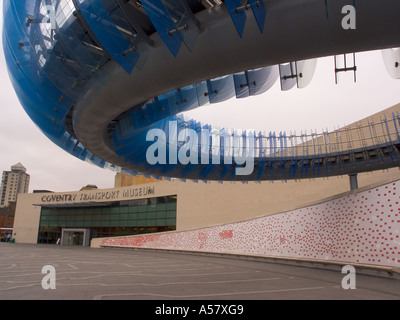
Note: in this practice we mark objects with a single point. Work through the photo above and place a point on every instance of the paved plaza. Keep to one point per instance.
(102, 274)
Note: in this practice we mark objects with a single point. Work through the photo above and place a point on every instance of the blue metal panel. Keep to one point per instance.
(236, 146)
(186, 24)
(261, 80)
(261, 155)
(221, 89)
(206, 151)
(241, 85)
(395, 125)
(193, 146)
(161, 19)
(238, 17)
(186, 98)
(275, 144)
(84, 62)
(202, 93)
(130, 30)
(389, 139)
(106, 32)
(29, 58)
(288, 76)
(165, 108)
(259, 11)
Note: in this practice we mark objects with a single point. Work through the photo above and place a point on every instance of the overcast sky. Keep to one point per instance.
(321, 105)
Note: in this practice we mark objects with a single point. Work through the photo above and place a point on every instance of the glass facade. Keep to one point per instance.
(118, 218)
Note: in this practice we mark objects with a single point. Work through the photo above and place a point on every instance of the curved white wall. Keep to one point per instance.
(358, 228)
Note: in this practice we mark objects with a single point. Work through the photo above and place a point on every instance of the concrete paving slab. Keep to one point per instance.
(83, 273)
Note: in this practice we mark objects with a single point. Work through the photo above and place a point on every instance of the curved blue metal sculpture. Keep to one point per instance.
(97, 76)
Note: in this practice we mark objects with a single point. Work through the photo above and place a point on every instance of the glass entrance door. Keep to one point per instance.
(75, 237)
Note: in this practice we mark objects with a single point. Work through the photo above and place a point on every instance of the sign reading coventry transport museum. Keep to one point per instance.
(98, 195)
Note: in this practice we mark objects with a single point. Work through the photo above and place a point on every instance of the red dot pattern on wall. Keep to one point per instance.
(359, 228)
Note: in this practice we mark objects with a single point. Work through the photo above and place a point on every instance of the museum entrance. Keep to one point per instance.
(105, 220)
